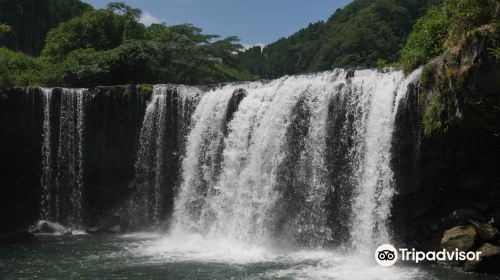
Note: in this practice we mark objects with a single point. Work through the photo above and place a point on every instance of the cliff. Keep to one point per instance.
(446, 148)
(112, 127)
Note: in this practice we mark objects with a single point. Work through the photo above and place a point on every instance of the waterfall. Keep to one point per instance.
(167, 117)
(302, 160)
(62, 155)
(374, 186)
(46, 208)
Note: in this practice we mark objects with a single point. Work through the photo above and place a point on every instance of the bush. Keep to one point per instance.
(132, 62)
(443, 26)
(98, 29)
(426, 40)
(110, 46)
(17, 68)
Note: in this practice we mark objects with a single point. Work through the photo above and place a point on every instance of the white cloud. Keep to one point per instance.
(248, 46)
(148, 19)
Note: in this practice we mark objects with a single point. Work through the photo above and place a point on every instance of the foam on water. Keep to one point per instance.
(182, 247)
(257, 188)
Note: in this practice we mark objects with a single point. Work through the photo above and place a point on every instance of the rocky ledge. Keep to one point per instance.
(446, 153)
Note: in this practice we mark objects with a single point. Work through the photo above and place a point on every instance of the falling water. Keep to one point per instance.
(167, 117)
(303, 160)
(45, 209)
(62, 156)
(374, 188)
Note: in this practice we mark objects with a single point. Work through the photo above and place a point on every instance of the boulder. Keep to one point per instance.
(94, 230)
(110, 223)
(461, 238)
(484, 231)
(49, 227)
(115, 229)
(489, 260)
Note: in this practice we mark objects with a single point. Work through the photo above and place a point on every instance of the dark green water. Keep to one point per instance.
(190, 257)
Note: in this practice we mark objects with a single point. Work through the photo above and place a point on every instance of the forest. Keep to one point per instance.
(368, 34)
(68, 43)
(107, 47)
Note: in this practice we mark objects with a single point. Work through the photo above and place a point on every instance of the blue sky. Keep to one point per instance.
(254, 21)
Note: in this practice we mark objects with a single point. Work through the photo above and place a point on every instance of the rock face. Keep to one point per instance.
(113, 126)
(114, 119)
(461, 238)
(485, 231)
(21, 118)
(447, 145)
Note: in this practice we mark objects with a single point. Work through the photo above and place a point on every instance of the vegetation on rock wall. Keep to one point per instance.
(446, 145)
(456, 85)
(444, 26)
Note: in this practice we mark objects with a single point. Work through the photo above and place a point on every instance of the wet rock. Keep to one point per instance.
(232, 107)
(94, 230)
(445, 154)
(33, 230)
(115, 229)
(111, 223)
(49, 227)
(484, 231)
(461, 238)
(45, 227)
(489, 260)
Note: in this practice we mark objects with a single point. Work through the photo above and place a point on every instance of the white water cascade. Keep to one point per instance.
(166, 119)
(62, 155)
(303, 160)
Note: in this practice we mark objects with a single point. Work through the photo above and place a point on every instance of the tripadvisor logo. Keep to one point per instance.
(387, 255)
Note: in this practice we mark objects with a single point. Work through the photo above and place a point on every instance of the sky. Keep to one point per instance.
(255, 22)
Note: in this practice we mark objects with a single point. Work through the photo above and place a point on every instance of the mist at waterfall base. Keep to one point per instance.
(285, 179)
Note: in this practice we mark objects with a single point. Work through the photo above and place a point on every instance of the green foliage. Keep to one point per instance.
(144, 89)
(426, 39)
(444, 26)
(466, 29)
(4, 29)
(32, 19)
(110, 46)
(131, 28)
(98, 29)
(131, 62)
(16, 68)
(366, 33)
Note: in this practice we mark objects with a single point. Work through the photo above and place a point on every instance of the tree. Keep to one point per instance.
(362, 34)
(98, 29)
(110, 46)
(132, 28)
(443, 26)
(32, 19)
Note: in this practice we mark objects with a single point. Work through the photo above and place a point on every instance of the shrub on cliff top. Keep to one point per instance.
(444, 26)
(16, 68)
